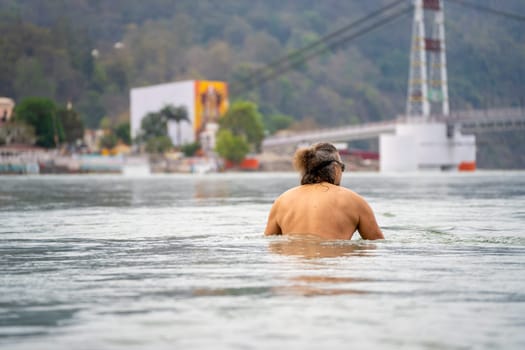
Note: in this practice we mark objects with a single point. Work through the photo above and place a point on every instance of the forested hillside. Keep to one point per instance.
(91, 52)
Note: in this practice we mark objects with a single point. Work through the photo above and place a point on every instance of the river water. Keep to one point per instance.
(180, 262)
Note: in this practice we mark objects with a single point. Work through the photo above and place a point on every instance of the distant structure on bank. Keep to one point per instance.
(419, 141)
(6, 109)
(206, 101)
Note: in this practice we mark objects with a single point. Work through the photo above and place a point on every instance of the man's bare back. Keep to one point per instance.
(320, 206)
(322, 209)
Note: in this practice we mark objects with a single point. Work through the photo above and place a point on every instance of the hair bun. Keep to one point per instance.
(306, 160)
(302, 158)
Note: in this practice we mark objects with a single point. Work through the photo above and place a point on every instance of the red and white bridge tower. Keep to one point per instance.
(421, 141)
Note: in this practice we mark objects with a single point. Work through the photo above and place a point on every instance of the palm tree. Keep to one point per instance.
(176, 114)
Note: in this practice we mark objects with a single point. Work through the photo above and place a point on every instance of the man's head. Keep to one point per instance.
(319, 163)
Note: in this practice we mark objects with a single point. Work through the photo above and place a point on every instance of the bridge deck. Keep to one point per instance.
(472, 121)
(345, 133)
(478, 121)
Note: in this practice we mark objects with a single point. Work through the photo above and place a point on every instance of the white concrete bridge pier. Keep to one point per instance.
(425, 145)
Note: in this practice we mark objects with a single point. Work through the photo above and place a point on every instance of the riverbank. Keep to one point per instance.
(32, 160)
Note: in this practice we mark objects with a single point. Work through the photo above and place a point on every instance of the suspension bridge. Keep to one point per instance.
(428, 135)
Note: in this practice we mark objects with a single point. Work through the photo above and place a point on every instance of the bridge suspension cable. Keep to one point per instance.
(338, 38)
(488, 10)
(329, 42)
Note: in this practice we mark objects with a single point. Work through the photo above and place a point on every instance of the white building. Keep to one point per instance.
(205, 102)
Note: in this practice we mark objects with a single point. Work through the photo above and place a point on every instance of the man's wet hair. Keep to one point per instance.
(315, 163)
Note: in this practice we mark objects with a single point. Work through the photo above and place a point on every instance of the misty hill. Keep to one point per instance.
(92, 52)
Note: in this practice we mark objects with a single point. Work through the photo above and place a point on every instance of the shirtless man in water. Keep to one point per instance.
(319, 206)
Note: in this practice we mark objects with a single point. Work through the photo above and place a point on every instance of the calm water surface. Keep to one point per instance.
(180, 262)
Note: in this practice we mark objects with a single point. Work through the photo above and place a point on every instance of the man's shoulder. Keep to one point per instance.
(290, 192)
(350, 194)
(294, 194)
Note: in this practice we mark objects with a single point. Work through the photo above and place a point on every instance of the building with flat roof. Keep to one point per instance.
(206, 101)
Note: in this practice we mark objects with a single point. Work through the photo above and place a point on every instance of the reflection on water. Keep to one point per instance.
(313, 247)
(303, 285)
(243, 291)
(312, 285)
(207, 190)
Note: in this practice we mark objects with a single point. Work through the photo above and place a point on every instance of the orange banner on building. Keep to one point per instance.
(211, 102)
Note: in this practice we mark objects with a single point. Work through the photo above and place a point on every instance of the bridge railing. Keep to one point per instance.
(475, 120)
(493, 113)
(332, 134)
(479, 114)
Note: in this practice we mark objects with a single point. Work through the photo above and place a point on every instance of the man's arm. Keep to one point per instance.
(272, 227)
(367, 226)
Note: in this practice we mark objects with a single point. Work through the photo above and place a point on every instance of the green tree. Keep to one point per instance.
(72, 123)
(176, 114)
(275, 122)
(244, 119)
(105, 123)
(41, 113)
(92, 107)
(123, 132)
(31, 79)
(158, 144)
(108, 141)
(190, 149)
(152, 125)
(231, 147)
